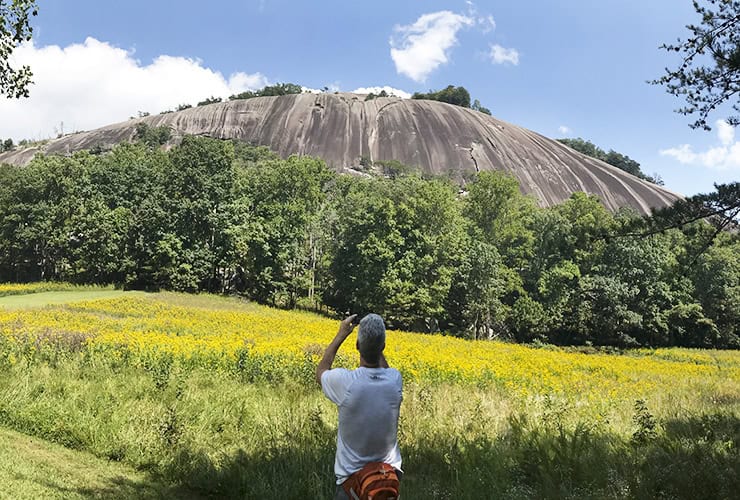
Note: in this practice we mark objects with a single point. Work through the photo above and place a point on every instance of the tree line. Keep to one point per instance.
(226, 217)
(619, 160)
(457, 96)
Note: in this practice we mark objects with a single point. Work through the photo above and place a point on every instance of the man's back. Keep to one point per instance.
(369, 400)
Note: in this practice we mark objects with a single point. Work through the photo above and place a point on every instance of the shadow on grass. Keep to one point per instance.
(694, 458)
(289, 474)
(119, 488)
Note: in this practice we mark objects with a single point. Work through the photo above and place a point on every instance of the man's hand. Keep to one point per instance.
(345, 328)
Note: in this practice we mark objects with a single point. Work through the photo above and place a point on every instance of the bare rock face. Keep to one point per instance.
(436, 137)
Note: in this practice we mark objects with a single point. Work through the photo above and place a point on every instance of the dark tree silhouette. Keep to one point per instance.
(709, 74)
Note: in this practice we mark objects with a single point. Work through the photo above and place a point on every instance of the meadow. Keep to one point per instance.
(11, 289)
(217, 396)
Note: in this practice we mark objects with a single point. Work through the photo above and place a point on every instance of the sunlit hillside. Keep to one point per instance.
(202, 389)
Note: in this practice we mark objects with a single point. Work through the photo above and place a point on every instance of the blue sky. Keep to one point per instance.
(571, 68)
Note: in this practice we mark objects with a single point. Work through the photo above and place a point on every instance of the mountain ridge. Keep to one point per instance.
(345, 130)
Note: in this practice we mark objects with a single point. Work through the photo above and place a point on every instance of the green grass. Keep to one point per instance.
(31, 468)
(170, 430)
(216, 435)
(55, 298)
(46, 286)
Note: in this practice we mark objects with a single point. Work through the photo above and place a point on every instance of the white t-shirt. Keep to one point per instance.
(369, 400)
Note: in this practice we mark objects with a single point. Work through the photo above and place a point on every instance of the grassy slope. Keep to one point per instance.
(52, 298)
(32, 468)
(226, 436)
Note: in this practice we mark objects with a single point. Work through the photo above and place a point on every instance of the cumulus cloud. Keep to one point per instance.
(421, 47)
(502, 55)
(92, 84)
(724, 156)
(389, 90)
(683, 153)
(726, 133)
(564, 130)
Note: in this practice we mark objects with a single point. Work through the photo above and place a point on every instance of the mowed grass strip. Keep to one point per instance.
(34, 300)
(47, 286)
(31, 468)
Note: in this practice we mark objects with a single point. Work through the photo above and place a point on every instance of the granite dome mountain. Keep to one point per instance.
(346, 130)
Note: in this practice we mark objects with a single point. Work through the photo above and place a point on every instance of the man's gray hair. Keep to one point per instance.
(371, 337)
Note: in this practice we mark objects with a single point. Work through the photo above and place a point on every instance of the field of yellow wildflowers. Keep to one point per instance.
(210, 391)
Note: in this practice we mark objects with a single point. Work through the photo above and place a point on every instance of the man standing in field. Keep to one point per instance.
(368, 459)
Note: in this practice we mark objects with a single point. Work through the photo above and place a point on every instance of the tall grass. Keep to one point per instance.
(7, 289)
(247, 432)
(222, 436)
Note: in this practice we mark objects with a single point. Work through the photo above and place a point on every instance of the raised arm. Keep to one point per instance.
(345, 328)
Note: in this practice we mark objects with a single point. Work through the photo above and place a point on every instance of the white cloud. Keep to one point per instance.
(725, 156)
(241, 82)
(726, 132)
(389, 90)
(94, 84)
(502, 55)
(486, 22)
(425, 45)
(309, 90)
(682, 153)
(564, 130)
(331, 88)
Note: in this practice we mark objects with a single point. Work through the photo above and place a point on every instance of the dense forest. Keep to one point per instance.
(226, 217)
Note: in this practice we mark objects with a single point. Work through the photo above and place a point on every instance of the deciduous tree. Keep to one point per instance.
(15, 28)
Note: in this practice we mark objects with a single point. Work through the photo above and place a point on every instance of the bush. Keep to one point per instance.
(210, 100)
(269, 90)
(457, 96)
